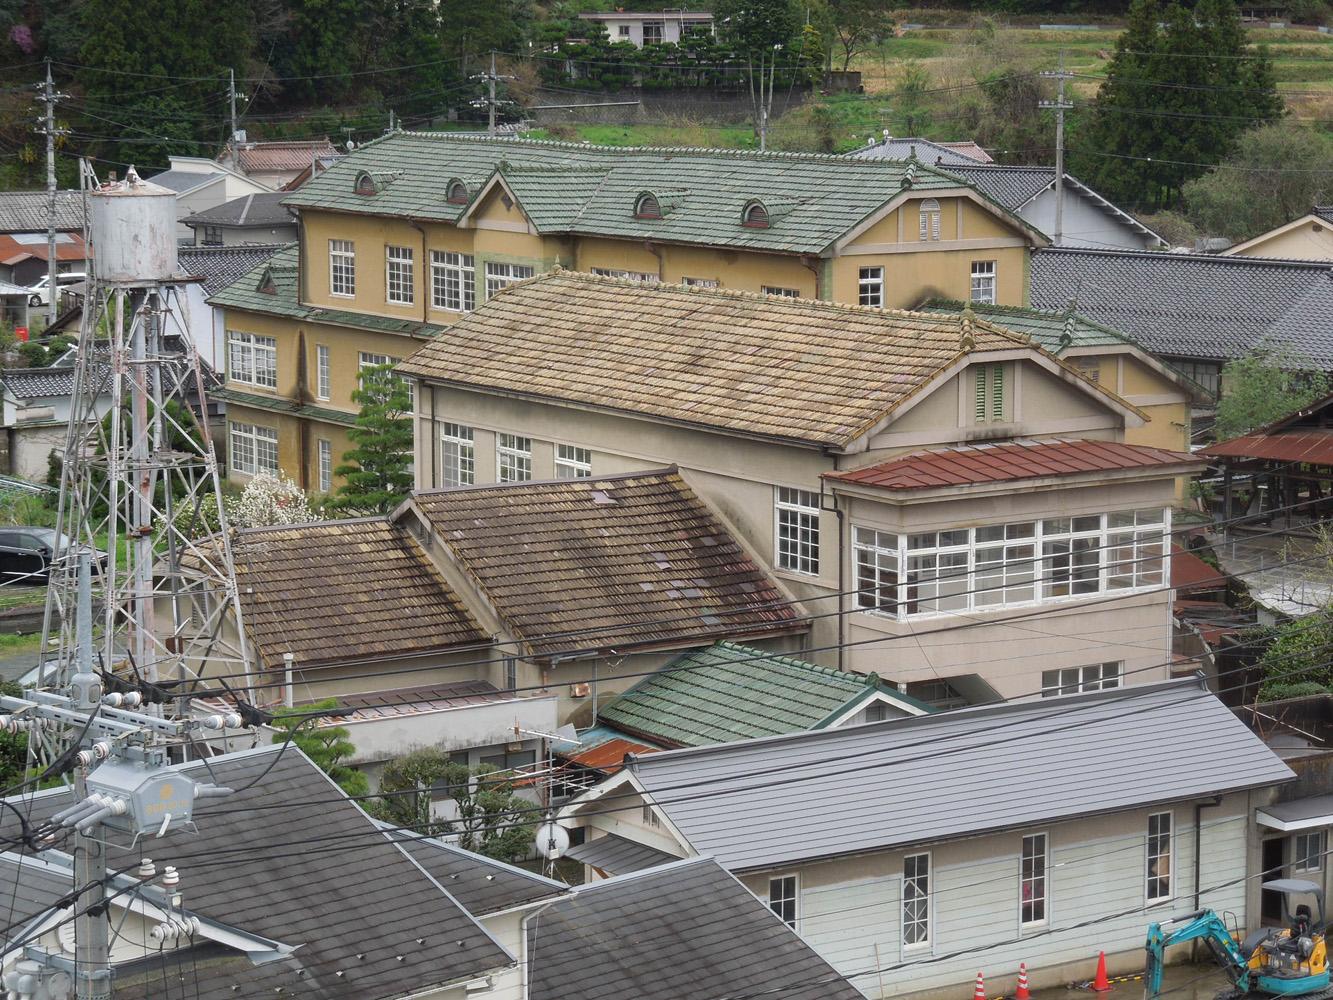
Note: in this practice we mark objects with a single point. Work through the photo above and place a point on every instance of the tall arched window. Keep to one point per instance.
(930, 219)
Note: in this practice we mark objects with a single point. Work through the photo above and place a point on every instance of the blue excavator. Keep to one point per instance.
(1290, 961)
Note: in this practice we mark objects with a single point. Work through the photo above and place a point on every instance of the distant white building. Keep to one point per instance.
(201, 184)
(640, 29)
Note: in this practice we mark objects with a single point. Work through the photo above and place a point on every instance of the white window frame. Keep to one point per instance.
(458, 455)
(1304, 860)
(500, 275)
(513, 458)
(453, 281)
(252, 359)
(782, 899)
(325, 449)
(622, 31)
(872, 548)
(1024, 880)
(700, 282)
(930, 220)
(1082, 679)
(643, 277)
(978, 576)
(245, 460)
(659, 28)
(323, 372)
(1170, 855)
(924, 918)
(399, 276)
(342, 269)
(985, 279)
(1134, 540)
(795, 509)
(369, 359)
(572, 462)
(870, 286)
(779, 292)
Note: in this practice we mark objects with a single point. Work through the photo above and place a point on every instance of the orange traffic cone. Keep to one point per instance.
(980, 992)
(1101, 984)
(1022, 992)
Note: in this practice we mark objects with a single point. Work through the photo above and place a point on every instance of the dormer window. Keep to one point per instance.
(365, 185)
(457, 193)
(755, 216)
(930, 219)
(647, 207)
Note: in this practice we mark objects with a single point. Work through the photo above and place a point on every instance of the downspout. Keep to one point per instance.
(812, 264)
(525, 955)
(303, 260)
(661, 264)
(842, 558)
(425, 274)
(1199, 807)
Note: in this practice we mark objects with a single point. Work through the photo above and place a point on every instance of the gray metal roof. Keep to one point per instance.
(367, 899)
(184, 181)
(898, 148)
(618, 856)
(220, 266)
(26, 211)
(481, 884)
(250, 211)
(1298, 813)
(918, 781)
(1193, 305)
(686, 930)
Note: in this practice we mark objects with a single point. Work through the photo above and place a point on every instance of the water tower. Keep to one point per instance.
(139, 471)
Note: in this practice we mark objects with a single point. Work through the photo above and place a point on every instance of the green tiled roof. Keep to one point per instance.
(569, 187)
(287, 406)
(1048, 329)
(279, 273)
(728, 692)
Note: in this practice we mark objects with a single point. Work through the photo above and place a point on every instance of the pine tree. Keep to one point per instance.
(1182, 86)
(377, 472)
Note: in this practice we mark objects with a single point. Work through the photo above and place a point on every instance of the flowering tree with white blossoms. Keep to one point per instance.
(269, 500)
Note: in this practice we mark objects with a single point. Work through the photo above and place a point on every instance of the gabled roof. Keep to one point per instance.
(592, 189)
(1013, 461)
(1193, 305)
(925, 780)
(684, 930)
(480, 884)
(1054, 331)
(220, 266)
(281, 154)
(942, 154)
(365, 899)
(614, 855)
(613, 562)
(26, 211)
(727, 692)
(185, 181)
(340, 591)
(250, 211)
(804, 372)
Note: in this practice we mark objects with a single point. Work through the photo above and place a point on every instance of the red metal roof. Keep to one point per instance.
(1313, 445)
(609, 756)
(1006, 461)
(1189, 572)
(282, 155)
(69, 247)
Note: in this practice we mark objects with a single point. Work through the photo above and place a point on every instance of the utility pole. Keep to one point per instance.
(1060, 106)
(491, 78)
(231, 97)
(48, 128)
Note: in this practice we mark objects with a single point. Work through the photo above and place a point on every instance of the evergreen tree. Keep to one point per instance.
(377, 471)
(327, 746)
(1182, 86)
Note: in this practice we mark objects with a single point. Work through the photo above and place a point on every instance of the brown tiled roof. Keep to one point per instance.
(1006, 462)
(791, 369)
(282, 155)
(340, 591)
(607, 563)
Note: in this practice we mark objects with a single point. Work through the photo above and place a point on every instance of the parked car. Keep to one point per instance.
(40, 290)
(26, 554)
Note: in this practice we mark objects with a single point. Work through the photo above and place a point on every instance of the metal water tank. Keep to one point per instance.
(132, 227)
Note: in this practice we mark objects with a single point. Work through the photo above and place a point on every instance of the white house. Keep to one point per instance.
(640, 29)
(200, 184)
(36, 408)
(913, 852)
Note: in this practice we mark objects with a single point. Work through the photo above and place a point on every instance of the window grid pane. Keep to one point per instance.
(876, 556)
(342, 268)
(640, 276)
(252, 359)
(323, 372)
(514, 458)
(870, 286)
(781, 293)
(1032, 876)
(398, 281)
(499, 275)
(453, 281)
(1308, 852)
(798, 530)
(983, 281)
(572, 462)
(325, 466)
(916, 899)
(253, 449)
(458, 456)
(782, 898)
(1159, 856)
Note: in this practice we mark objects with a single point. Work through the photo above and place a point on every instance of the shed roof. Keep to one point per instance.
(1194, 305)
(807, 372)
(367, 899)
(250, 211)
(727, 692)
(615, 855)
(592, 189)
(1011, 461)
(27, 211)
(685, 930)
(185, 181)
(953, 774)
(611, 562)
(1304, 435)
(339, 591)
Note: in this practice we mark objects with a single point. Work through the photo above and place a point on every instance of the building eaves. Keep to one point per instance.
(276, 404)
(248, 211)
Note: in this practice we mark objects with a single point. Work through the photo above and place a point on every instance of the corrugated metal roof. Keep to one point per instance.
(954, 774)
(282, 154)
(608, 755)
(1314, 445)
(613, 855)
(684, 931)
(1189, 572)
(1010, 461)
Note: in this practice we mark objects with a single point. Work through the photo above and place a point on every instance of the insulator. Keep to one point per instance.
(147, 869)
(170, 877)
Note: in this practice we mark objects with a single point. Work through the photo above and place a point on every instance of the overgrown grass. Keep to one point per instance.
(12, 644)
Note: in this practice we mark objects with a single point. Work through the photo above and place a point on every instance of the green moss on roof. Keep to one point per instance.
(279, 276)
(728, 692)
(1047, 329)
(569, 187)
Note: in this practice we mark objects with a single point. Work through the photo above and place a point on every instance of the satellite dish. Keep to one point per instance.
(552, 840)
